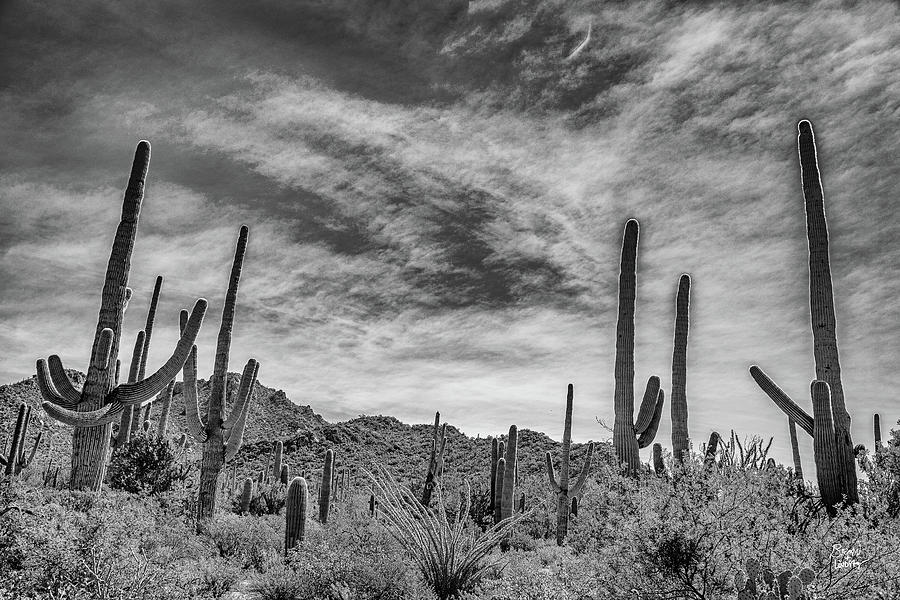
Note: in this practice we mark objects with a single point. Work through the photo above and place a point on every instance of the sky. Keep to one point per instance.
(436, 194)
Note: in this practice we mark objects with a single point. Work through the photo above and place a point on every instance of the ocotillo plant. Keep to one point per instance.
(325, 488)
(839, 459)
(15, 461)
(795, 449)
(628, 435)
(436, 460)
(561, 488)
(680, 441)
(276, 468)
(99, 402)
(221, 437)
(295, 513)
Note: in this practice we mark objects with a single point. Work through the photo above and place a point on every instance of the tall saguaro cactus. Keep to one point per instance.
(629, 436)
(825, 351)
(325, 488)
(100, 401)
(680, 442)
(221, 437)
(561, 488)
(436, 460)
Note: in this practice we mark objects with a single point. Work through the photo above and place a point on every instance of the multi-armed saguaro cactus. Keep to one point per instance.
(325, 488)
(561, 488)
(295, 513)
(221, 437)
(93, 408)
(436, 460)
(15, 461)
(838, 460)
(629, 436)
(680, 441)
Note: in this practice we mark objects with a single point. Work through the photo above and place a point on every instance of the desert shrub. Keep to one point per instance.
(548, 573)
(216, 575)
(267, 499)
(252, 541)
(112, 546)
(147, 463)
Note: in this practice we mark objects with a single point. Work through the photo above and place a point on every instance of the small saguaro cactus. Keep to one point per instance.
(709, 460)
(15, 461)
(92, 409)
(295, 506)
(436, 460)
(276, 467)
(497, 450)
(563, 490)
(795, 449)
(373, 505)
(509, 474)
(680, 438)
(246, 496)
(840, 457)
(325, 488)
(877, 427)
(659, 465)
(285, 475)
(221, 437)
(498, 488)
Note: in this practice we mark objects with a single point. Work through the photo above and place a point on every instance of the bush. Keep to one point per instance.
(147, 463)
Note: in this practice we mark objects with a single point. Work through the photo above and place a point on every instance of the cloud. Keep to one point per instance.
(436, 198)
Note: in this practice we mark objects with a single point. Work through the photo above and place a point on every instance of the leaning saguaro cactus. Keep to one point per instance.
(629, 436)
(561, 488)
(838, 460)
(436, 460)
(295, 505)
(680, 442)
(93, 408)
(221, 437)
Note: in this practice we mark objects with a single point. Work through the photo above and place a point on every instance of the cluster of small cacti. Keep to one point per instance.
(758, 583)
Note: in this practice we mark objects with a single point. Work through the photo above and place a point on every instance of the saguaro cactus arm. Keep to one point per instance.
(782, 400)
(61, 381)
(48, 391)
(235, 424)
(585, 470)
(646, 437)
(132, 395)
(146, 389)
(649, 403)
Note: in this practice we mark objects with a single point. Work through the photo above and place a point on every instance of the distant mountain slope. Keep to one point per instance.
(358, 443)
